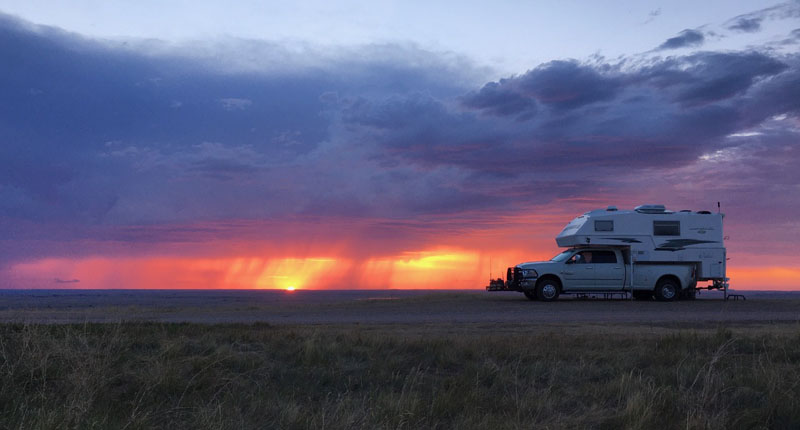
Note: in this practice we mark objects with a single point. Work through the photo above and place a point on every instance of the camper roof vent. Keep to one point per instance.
(611, 208)
(650, 209)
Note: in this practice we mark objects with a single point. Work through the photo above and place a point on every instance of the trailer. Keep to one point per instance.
(645, 252)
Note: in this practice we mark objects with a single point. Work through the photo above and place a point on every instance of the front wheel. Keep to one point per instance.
(547, 290)
(666, 290)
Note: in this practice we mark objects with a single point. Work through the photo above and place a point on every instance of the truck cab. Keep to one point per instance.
(600, 270)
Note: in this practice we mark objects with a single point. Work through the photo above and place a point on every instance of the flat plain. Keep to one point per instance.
(394, 359)
(382, 307)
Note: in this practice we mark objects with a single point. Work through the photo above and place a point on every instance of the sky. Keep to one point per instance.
(383, 144)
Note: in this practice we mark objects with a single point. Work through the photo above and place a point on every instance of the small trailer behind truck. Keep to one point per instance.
(645, 252)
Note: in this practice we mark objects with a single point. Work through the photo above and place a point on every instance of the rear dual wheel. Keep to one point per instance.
(667, 290)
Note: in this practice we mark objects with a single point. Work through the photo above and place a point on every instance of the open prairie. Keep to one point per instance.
(394, 359)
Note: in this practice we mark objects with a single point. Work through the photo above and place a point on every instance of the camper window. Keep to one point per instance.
(666, 228)
(604, 225)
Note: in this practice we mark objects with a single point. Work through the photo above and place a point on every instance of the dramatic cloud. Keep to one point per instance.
(125, 150)
(707, 77)
(497, 98)
(561, 85)
(686, 38)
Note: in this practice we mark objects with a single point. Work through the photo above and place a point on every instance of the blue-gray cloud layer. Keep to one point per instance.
(686, 38)
(99, 137)
(747, 25)
(752, 22)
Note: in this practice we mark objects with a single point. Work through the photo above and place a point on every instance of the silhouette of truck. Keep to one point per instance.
(646, 252)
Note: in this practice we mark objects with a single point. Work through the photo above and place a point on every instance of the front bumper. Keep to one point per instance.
(515, 281)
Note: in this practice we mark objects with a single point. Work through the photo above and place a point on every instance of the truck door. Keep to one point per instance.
(578, 273)
(609, 271)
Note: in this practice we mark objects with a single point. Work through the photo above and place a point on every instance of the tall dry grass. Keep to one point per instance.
(146, 375)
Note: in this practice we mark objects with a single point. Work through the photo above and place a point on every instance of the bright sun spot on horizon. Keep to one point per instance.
(290, 288)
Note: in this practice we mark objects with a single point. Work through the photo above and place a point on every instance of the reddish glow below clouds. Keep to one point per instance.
(445, 268)
(764, 278)
(363, 262)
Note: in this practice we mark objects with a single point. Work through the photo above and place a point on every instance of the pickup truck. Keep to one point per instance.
(602, 270)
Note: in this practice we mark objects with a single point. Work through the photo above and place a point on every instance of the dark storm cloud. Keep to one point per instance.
(708, 76)
(561, 85)
(98, 132)
(664, 114)
(684, 39)
(496, 98)
(425, 131)
(778, 95)
(567, 84)
(110, 142)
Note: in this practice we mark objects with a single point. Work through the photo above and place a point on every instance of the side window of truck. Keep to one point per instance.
(605, 257)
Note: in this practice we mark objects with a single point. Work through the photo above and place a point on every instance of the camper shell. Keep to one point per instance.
(652, 234)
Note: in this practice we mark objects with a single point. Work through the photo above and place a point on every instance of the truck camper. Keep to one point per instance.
(647, 252)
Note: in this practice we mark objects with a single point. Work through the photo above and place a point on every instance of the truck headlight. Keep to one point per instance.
(529, 273)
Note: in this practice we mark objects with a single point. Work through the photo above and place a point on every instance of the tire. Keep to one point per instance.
(643, 295)
(548, 289)
(667, 290)
(530, 294)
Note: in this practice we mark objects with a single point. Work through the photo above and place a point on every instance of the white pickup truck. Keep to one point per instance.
(602, 270)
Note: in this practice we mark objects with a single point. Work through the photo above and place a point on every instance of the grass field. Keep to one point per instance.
(144, 375)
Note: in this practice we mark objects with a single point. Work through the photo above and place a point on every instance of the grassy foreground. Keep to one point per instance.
(144, 375)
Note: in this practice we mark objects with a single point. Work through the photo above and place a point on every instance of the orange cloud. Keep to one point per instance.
(435, 268)
(764, 278)
(439, 253)
(445, 268)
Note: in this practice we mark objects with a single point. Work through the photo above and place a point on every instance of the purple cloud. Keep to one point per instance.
(497, 98)
(110, 145)
(708, 76)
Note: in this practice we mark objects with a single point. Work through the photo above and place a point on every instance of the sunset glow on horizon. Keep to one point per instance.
(435, 269)
(322, 149)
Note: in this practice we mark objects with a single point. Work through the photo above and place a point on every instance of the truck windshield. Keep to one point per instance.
(561, 257)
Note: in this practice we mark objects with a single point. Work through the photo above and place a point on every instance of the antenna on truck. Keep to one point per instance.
(718, 207)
